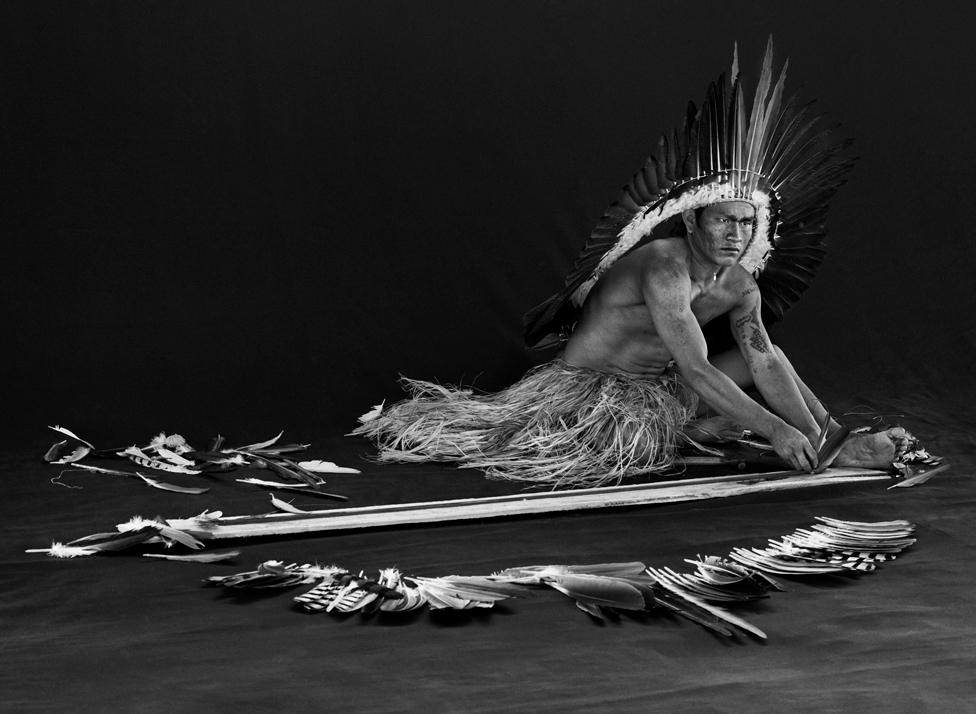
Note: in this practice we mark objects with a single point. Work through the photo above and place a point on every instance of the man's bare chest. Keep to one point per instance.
(709, 304)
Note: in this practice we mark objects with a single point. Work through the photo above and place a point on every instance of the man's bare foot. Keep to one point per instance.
(874, 451)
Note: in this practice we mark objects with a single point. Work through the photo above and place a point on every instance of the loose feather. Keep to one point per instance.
(135, 454)
(598, 590)
(285, 505)
(66, 432)
(162, 485)
(326, 467)
(717, 612)
(215, 557)
(262, 444)
(54, 456)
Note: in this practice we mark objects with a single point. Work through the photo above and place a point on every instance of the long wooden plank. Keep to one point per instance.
(517, 504)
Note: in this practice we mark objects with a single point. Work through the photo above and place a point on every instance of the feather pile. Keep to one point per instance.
(830, 546)
(136, 531)
(172, 454)
(601, 590)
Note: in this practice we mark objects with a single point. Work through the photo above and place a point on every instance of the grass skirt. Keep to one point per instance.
(560, 426)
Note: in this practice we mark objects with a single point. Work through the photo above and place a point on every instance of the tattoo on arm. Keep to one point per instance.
(750, 329)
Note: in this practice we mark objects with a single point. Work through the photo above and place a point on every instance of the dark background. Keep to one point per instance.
(221, 216)
(242, 217)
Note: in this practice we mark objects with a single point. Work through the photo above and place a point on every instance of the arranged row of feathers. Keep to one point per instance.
(601, 590)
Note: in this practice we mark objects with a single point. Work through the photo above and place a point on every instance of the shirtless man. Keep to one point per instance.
(648, 309)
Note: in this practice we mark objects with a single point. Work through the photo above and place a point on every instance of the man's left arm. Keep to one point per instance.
(769, 374)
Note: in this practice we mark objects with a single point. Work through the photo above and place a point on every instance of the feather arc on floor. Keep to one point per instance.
(599, 589)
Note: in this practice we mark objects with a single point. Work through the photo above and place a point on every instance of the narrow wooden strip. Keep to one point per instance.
(605, 492)
(523, 504)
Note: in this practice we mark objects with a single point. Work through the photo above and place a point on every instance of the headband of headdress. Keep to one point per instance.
(777, 157)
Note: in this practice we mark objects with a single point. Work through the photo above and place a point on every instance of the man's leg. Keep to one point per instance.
(875, 450)
(734, 366)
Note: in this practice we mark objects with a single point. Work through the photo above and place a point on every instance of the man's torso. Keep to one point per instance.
(615, 332)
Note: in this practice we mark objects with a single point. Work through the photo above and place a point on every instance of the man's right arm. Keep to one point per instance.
(667, 293)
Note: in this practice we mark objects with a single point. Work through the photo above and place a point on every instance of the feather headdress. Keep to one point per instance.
(776, 156)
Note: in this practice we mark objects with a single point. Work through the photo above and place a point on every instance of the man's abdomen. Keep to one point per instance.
(621, 349)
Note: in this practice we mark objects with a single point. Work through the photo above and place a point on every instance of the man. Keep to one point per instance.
(750, 190)
(646, 312)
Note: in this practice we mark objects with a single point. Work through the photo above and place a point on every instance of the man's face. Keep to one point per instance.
(723, 231)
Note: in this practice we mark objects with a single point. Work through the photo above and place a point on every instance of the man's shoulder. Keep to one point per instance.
(673, 246)
(738, 276)
(740, 282)
(663, 254)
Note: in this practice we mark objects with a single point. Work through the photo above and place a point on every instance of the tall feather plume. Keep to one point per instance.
(734, 72)
(777, 145)
(794, 144)
(756, 119)
(771, 115)
(736, 123)
(691, 165)
(736, 116)
(710, 138)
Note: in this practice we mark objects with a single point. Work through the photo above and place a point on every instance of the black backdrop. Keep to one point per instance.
(244, 216)
(220, 216)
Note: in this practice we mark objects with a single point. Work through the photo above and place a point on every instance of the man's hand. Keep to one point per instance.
(794, 448)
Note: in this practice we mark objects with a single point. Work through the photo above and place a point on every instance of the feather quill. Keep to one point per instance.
(326, 467)
(135, 454)
(163, 486)
(67, 432)
(285, 505)
(60, 550)
(215, 557)
(173, 457)
(77, 454)
(713, 610)
(598, 590)
(262, 444)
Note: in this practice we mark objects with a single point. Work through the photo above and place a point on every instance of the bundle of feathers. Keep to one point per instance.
(601, 590)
